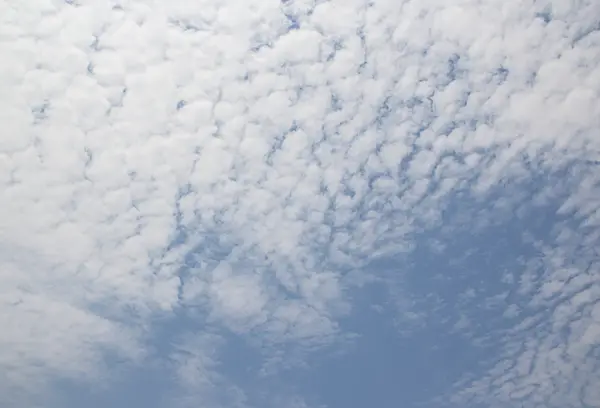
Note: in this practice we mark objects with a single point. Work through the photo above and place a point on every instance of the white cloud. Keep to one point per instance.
(550, 356)
(300, 154)
(240, 298)
(194, 362)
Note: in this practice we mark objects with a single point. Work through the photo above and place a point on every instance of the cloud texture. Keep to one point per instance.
(245, 163)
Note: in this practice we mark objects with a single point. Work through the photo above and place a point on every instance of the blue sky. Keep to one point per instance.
(299, 204)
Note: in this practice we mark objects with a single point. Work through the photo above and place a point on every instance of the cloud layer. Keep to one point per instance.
(244, 162)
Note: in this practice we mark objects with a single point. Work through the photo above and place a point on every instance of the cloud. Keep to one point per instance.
(194, 362)
(242, 158)
(550, 352)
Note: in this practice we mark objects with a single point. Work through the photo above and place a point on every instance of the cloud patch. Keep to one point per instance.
(246, 161)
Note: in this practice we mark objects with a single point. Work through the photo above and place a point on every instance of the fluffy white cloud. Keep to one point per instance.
(278, 145)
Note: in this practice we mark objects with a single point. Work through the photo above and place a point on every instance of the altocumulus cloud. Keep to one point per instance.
(245, 163)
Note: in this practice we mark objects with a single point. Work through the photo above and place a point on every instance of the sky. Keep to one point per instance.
(299, 203)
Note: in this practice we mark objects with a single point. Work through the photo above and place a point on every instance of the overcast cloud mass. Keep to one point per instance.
(299, 203)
